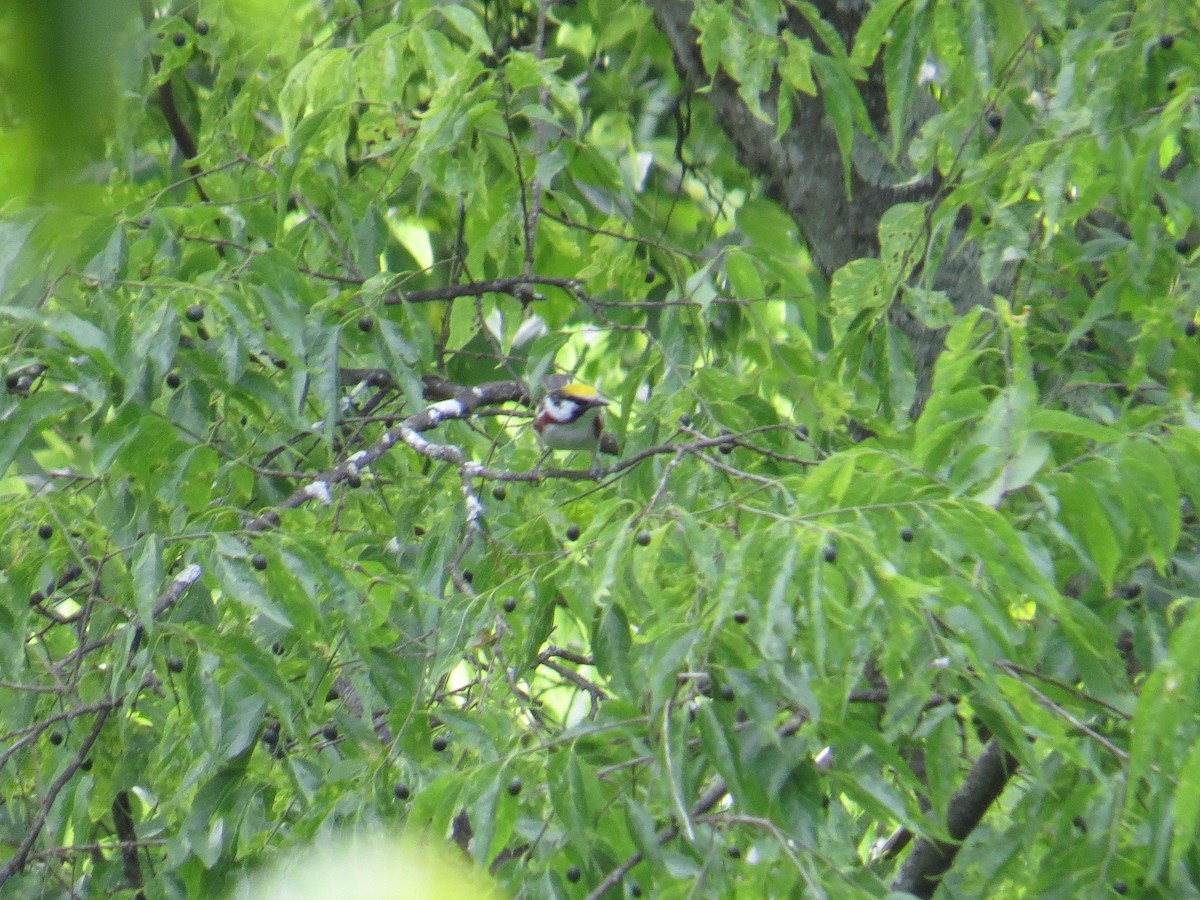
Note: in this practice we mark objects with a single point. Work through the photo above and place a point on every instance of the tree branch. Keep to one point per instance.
(930, 859)
(803, 169)
(39, 821)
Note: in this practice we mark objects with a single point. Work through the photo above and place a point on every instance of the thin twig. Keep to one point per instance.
(39, 821)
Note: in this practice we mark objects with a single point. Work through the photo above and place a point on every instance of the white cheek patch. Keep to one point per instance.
(561, 410)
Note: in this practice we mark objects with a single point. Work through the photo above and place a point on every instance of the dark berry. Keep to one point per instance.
(468, 576)
(202, 27)
(740, 617)
(56, 738)
(1131, 590)
(1120, 887)
(174, 664)
(36, 597)
(499, 492)
(704, 686)
(985, 219)
(514, 787)
(86, 765)
(1172, 84)
(907, 534)
(173, 380)
(635, 890)
(573, 874)
(802, 432)
(650, 275)
(440, 743)
(572, 532)
(278, 649)
(45, 531)
(401, 791)
(994, 119)
(258, 561)
(685, 420)
(726, 449)
(1183, 247)
(734, 851)
(365, 324)
(195, 312)
(643, 538)
(355, 481)
(271, 734)
(510, 603)
(419, 530)
(1189, 328)
(179, 39)
(329, 732)
(829, 553)
(727, 693)
(1166, 41)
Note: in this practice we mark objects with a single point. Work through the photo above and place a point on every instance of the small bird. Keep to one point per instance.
(569, 417)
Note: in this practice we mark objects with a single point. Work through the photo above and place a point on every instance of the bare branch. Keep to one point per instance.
(929, 858)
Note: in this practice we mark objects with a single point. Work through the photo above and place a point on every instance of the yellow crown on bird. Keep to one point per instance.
(569, 418)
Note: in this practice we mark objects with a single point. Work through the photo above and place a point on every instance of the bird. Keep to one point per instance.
(570, 417)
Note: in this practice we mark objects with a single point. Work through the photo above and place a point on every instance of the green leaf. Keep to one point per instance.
(612, 645)
(147, 576)
(841, 100)
(931, 308)
(642, 830)
(873, 30)
(468, 25)
(239, 586)
(796, 67)
(1151, 498)
(1187, 806)
(1057, 421)
(1088, 520)
(77, 331)
(903, 56)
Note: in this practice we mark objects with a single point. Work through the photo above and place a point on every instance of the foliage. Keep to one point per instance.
(255, 588)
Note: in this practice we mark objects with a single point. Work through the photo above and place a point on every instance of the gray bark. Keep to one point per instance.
(803, 171)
